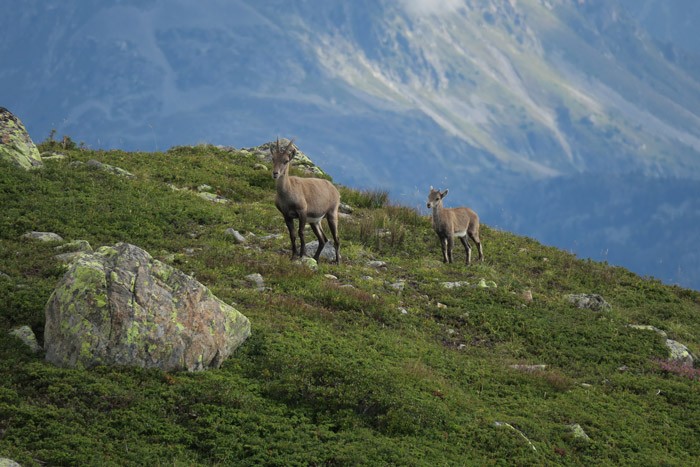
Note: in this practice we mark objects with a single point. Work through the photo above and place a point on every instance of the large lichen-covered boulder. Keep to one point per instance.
(15, 144)
(120, 306)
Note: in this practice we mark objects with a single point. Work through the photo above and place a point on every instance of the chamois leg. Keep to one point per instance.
(318, 231)
(467, 249)
(475, 239)
(332, 220)
(450, 246)
(302, 240)
(292, 235)
(443, 246)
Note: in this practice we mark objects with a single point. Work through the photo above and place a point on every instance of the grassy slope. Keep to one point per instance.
(335, 375)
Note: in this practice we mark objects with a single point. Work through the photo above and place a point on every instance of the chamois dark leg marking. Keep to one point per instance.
(467, 248)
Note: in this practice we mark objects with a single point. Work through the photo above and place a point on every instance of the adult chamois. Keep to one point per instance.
(453, 222)
(306, 199)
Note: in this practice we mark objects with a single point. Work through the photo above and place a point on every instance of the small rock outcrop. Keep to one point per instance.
(328, 251)
(43, 236)
(69, 251)
(257, 280)
(120, 306)
(454, 285)
(15, 144)
(376, 264)
(5, 462)
(95, 164)
(589, 301)
(237, 236)
(301, 160)
(207, 192)
(26, 335)
(677, 352)
(578, 432)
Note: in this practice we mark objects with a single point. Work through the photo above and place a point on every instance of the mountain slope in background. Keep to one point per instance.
(496, 99)
(673, 25)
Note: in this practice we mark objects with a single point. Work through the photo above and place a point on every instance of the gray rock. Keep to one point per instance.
(679, 353)
(646, 327)
(455, 285)
(310, 263)
(213, 197)
(237, 237)
(398, 285)
(72, 250)
(16, 146)
(26, 335)
(376, 264)
(5, 462)
(328, 251)
(577, 432)
(256, 279)
(43, 236)
(95, 164)
(589, 301)
(119, 306)
(75, 245)
(345, 208)
(301, 160)
(68, 257)
(52, 156)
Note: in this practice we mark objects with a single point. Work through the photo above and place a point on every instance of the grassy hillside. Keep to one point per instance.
(394, 370)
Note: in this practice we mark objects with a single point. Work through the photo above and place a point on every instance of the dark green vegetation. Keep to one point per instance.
(335, 375)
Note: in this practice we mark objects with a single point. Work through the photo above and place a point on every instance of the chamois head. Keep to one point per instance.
(281, 158)
(435, 197)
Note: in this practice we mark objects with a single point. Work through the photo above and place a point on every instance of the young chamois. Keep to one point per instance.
(453, 222)
(306, 199)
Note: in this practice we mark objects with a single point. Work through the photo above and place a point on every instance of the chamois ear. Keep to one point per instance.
(444, 193)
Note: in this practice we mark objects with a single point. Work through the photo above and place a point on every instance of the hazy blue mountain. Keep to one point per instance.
(672, 22)
(673, 26)
(502, 101)
(649, 225)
